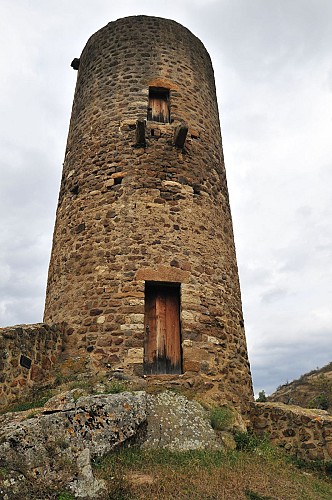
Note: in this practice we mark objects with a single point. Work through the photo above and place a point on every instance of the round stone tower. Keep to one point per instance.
(143, 267)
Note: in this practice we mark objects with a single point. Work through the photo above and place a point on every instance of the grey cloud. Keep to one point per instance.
(271, 35)
(274, 295)
(273, 363)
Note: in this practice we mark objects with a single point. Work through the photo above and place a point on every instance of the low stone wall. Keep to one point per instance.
(303, 432)
(27, 354)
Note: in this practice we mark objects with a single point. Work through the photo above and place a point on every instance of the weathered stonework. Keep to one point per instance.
(305, 433)
(135, 207)
(27, 356)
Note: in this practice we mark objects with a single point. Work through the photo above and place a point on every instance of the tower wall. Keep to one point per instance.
(133, 215)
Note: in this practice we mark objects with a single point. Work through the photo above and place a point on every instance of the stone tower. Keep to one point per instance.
(143, 267)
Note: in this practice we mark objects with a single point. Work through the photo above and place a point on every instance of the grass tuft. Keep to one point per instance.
(115, 387)
(35, 401)
(221, 418)
(65, 496)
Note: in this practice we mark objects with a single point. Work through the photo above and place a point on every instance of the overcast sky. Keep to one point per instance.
(273, 70)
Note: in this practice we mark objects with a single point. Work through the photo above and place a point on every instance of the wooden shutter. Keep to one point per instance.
(158, 109)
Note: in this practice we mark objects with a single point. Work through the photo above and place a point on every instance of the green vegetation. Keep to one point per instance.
(321, 402)
(247, 441)
(323, 385)
(3, 472)
(221, 417)
(66, 496)
(261, 397)
(36, 400)
(318, 466)
(115, 387)
(87, 385)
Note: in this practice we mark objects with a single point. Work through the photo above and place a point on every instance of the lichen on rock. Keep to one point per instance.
(56, 447)
(176, 423)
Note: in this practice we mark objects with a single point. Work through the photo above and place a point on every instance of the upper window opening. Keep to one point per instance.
(158, 110)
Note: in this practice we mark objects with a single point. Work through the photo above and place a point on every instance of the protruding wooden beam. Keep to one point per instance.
(140, 133)
(180, 135)
(75, 63)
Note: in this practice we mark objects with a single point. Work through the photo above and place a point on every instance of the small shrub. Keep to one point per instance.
(115, 387)
(322, 401)
(261, 397)
(66, 496)
(247, 441)
(3, 472)
(221, 418)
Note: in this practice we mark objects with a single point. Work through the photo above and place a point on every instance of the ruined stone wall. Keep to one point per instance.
(304, 433)
(128, 215)
(27, 355)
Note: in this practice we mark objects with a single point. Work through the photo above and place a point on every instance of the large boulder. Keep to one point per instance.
(176, 423)
(54, 449)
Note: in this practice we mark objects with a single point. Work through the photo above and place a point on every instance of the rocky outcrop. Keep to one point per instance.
(311, 390)
(45, 451)
(54, 449)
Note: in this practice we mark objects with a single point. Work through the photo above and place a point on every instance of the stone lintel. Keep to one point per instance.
(164, 274)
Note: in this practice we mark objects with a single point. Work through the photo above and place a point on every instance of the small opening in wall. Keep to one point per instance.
(152, 132)
(197, 189)
(74, 190)
(117, 181)
(25, 361)
(158, 108)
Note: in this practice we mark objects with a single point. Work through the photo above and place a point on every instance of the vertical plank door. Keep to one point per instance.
(158, 109)
(162, 343)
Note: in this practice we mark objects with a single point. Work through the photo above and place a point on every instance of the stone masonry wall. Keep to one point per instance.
(129, 214)
(304, 433)
(28, 353)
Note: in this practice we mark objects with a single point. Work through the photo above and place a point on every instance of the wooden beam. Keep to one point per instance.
(75, 63)
(140, 133)
(180, 135)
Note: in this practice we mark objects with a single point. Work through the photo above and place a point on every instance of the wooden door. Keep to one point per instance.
(158, 109)
(162, 341)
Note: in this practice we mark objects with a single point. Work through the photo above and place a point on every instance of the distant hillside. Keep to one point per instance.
(311, 390)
